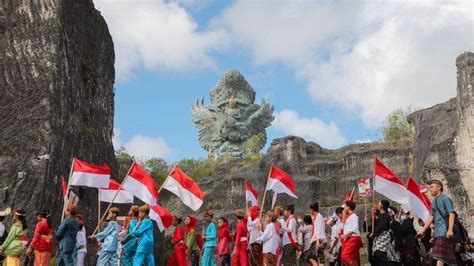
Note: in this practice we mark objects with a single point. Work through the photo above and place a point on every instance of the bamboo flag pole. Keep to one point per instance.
(67, 189)
(373, 197)
(265, 193)
(113, 199)
(366, 215)
(98, 205)
(162, 184)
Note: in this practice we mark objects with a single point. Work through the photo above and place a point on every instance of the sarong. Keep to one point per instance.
(350, 250)
(289, 255)
(443, 250)
(255, 255)
(12, 261)
(269, 259)
(42, 258)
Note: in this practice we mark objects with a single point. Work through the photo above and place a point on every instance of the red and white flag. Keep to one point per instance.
(364, 187)
(417, 203)
(281, 182)
(108, 194)
(350, 196)
(183, 186)
(389, 185)
(89, 175)
(73, 199)
(141, 185)
(161, 216)
(250, 194)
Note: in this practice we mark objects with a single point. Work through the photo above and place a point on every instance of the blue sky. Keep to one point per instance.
(332, 70)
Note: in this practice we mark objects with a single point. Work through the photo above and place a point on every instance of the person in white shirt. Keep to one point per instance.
(281, 223)
(81, 241)
(351, 241)
(306, 234)
(319, 241)
(254, 227)
(336, 228)
(289, 241)
(270, 239)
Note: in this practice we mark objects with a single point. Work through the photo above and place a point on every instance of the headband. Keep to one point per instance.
(19, 214)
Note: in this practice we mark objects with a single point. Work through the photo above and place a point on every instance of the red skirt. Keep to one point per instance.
(350, 250)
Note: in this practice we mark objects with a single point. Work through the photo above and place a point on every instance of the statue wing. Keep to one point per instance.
(205, 120)
(260, 119)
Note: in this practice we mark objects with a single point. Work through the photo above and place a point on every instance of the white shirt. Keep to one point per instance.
(305, 233)
(289, 227)
(81, 240)
(255, 230)
(2, 229)
(335, 230)
(352, 225)
(270, 239)
(319, 227)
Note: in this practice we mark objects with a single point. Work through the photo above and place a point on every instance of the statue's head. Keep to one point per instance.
(232, 89)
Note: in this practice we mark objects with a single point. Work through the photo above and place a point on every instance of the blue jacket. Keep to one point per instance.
(144, 233)
(132, 244)
(109, 236)
(66, 235)
(211, 236)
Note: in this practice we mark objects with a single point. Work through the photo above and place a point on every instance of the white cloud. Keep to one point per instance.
(312, 129)
(367, 58)
(147, 147)
(143, 147)
(360, 141)
(158, 36)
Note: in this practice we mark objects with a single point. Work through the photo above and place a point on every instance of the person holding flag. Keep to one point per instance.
(210, 240)
(255, 228)
(239, 257)
(66, 234)
(271, 240)
(128, 249)
(289, 242)
(178, 257)
(351, 241)
(109, 237)
(144, 233)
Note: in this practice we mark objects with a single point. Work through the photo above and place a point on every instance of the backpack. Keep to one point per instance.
(457, 228)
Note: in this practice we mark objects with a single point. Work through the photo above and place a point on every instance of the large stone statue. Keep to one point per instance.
(231, 118)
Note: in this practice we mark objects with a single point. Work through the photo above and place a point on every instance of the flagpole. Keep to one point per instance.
(162, 184)
(265, 193)
(373, 196)
(113, 199)
(98, 205)
(67, 189)
(366, 216)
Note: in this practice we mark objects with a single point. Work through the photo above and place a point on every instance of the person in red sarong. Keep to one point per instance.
(178, 257)
(239, 257)
(351, 241)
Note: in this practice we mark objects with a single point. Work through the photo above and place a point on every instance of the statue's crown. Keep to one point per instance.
(232, 84)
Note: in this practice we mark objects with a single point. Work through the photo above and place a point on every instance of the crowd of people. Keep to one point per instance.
(278, 237)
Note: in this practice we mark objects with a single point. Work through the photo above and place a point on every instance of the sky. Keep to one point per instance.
(332, 69)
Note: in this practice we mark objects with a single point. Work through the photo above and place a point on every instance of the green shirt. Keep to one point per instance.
(190, 240)
(13, 245)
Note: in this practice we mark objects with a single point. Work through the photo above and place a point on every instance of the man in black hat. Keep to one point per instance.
(443, 217)
(289, 241)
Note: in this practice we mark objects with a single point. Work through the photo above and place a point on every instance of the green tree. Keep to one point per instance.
(396, 129)
(198, 169)
(124, 161)
(158, 169)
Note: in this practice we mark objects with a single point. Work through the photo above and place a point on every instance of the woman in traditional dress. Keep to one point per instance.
(14, 246)
(42, 242)
(191, 241)
(223, 242)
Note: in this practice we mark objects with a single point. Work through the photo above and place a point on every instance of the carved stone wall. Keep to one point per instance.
(56, 97)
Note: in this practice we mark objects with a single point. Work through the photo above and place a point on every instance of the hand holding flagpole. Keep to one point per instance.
(67, 189)
(112, 201)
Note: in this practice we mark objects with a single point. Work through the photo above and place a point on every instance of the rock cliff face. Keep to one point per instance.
(443, 149)
(444, 141)
(56, 97)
